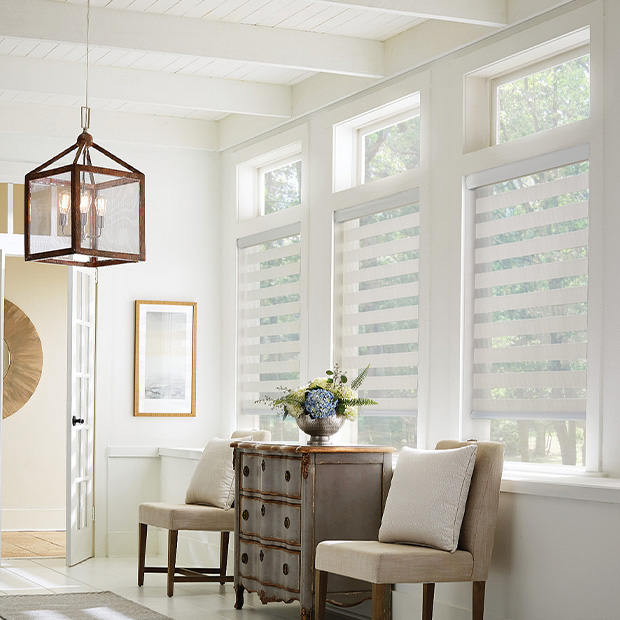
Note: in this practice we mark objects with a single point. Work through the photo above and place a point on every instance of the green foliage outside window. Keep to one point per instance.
(282, 187)
(545, 100)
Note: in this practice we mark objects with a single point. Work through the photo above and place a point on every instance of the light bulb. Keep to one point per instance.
(64, 202)
(100, 205)
(84, 202)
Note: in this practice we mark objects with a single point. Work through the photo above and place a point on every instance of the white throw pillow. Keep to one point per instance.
(427, 497)
(213, 480)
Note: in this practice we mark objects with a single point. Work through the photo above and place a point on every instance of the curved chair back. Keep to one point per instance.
(251, 432)
(478, 528)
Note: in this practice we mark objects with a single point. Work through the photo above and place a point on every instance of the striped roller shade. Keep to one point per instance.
(376, 317)
(268, 332)
(531, 296)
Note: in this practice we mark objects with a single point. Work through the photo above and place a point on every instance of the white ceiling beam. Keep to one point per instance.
(152, 32)
(145, 87)
(479, 12)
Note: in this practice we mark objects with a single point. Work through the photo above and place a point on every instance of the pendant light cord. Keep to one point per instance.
(87, 45)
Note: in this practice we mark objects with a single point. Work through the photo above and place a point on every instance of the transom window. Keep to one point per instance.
(549, 94)
(389, 146)
(280, 185)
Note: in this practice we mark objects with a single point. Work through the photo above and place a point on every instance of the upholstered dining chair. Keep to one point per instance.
(211, 483)
(386, 563)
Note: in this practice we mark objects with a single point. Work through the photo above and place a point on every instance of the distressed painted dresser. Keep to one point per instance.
(290, 497)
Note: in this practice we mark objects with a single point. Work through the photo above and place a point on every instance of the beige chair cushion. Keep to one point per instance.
(386, 563)
(213, 481)
(187, 517)
(427, 497)
(256, 435)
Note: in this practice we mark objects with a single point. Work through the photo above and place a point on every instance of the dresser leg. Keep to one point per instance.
(239, 597)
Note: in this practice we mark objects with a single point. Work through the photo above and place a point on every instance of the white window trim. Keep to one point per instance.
(481, 428)
(525, 71)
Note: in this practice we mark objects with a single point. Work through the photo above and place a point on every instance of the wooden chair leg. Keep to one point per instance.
(428, 596)
(381, 601)
(478, 600)
(224, 554)
(141, 553)
(173, 536)
(320, 594)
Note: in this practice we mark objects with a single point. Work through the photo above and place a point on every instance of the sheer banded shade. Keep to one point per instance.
(377, 282)
(269, 294)
(531, 297)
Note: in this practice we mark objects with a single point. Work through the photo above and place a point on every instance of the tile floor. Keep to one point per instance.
(33, 544)
(194, 601)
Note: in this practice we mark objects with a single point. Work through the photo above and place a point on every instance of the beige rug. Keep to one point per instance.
(78, 606)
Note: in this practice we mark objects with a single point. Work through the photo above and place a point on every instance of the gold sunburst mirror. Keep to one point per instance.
(23, 358)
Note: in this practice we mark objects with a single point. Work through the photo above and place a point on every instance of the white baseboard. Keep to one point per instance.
(33, 519)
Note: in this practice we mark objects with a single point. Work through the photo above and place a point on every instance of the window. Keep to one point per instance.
(269, 327)
(389, 147)
(377, 144)
(377, 280)
(281, 186)
(530, 313)
(550, 94)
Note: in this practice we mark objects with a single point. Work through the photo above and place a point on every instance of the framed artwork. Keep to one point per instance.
(165, 359)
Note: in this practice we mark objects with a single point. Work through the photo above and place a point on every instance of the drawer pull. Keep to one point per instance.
(262, 510)
(244, 558)
(287, 522)
(246, 471)
(287, 475)
(285, 569)
(261, 555)
(246, 515)
(262, 465)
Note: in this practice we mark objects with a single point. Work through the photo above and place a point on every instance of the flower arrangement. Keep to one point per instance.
(322, 398)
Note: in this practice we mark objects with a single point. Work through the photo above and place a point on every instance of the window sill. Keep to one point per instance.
(565, 486)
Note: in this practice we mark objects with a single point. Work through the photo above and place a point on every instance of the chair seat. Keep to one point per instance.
(187, 517)
(383, 563)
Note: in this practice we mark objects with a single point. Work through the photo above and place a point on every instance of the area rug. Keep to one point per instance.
(76, 606)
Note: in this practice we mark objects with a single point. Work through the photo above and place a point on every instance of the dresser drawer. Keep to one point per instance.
(270, 519)
(271, 475)
(270, 566)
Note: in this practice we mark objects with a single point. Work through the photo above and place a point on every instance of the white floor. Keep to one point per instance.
(193, 601)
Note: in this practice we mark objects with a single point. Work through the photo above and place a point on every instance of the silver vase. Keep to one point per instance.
(320, 429)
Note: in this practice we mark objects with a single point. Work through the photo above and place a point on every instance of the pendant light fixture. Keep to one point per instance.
(77, 213)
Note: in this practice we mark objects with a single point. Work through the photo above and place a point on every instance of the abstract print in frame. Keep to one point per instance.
(165, 359)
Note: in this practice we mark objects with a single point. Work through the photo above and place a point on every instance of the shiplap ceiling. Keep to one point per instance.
(203, 59)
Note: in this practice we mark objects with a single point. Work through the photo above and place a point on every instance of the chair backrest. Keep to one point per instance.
(478, 528)
(256, 435)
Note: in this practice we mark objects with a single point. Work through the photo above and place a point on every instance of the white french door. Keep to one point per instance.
(80, 413)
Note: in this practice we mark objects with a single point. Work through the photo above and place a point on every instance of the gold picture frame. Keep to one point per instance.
(165, 359)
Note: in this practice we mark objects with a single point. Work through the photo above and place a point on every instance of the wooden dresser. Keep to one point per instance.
(290, 497)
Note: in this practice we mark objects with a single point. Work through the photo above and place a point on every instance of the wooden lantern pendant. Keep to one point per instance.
(81, 214)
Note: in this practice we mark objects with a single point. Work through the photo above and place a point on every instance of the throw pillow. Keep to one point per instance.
(213, 481)
(427, 497)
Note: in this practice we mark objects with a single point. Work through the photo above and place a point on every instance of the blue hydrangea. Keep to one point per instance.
(320, 403)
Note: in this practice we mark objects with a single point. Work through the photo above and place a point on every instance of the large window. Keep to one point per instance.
(377, 287)
(269, 327)
(530, 313)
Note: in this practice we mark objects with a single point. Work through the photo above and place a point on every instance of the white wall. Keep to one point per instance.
(34, 437)
(183, 249)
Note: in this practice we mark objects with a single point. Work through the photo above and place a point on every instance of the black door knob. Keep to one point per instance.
(75, 420)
